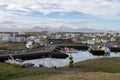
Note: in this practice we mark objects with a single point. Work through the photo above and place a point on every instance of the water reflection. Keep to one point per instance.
(79, 56)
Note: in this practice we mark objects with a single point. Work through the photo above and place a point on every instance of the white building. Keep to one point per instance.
(112, 39)
(90, 41)
(20, 39)
(31, 38)
(29, 45)
(4, 35)
(6, 39)
(58, 36)
(13, 39)
(37, 40)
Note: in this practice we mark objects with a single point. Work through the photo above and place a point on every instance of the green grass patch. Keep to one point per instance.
(82, 76)
(92, 69)
(15, 46)
(111, 65)
(12, 46)
(8, 71)
(100, 69)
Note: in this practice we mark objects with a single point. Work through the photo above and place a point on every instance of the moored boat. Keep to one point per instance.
(104, 51)
(115, 48)
(70, 50)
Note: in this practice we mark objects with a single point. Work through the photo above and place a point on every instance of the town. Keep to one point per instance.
(44, 38)
(50, 44)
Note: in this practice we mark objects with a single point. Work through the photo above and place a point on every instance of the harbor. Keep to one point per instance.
(51, 51)
(78, 56)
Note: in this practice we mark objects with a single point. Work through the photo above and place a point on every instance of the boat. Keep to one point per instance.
(70, 50)
(73, 51)
(115, 48)
(14, 61)
(103, 51)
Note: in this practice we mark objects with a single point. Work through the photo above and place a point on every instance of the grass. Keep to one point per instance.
(8, 71)
(111, 65)
(93, 69)
(12, 46)
(100, 69)
(15, 46)
(82, 76)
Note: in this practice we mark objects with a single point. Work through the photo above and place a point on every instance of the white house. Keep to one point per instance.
(13, 39)
(37, 40)
(29, 45)
(3, 35)
(20, 39)
(44, 37)
(90, 41)
(6, 39)
(31, 38)
(112, 39)
(58, 36)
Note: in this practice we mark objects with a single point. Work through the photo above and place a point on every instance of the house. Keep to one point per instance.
(33, 38)
(112, 39)
(58, 36)
(3, 35)
(29, 44)
(30, 38)
(19, 39)
(13, 39)
(90, 41)
(6, 39)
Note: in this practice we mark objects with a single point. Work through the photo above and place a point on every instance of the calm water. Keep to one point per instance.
(78, 56)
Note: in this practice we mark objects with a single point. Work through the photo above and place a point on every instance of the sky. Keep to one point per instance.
(96, 14)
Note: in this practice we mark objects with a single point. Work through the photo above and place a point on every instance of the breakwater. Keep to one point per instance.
(75, 46)
(34, 55)
(49, 51)
(53, 51)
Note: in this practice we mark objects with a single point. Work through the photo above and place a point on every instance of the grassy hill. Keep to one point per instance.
(9, 71)
(92, 69)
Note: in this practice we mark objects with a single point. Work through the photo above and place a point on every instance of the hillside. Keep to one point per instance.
(93, 69)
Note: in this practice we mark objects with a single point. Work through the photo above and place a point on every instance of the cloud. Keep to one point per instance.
(91, 7)
(47, 23)
(26, 10)
(6, 15)
(71, 22)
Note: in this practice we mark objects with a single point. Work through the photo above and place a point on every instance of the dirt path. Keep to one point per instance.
(39, 75)
(54, 71)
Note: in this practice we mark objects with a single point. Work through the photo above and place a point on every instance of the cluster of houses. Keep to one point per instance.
(8, 37)
(102, 37)
(48, 37)
(88, 38)
(12, 37)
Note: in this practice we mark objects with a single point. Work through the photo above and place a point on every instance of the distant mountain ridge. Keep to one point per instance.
(34, 29)
(8, 26)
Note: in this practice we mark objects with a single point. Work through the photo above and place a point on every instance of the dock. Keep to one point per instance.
(32, 53)
(51, 51)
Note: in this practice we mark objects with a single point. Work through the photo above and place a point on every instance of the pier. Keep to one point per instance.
(51, 51)
(32, 53)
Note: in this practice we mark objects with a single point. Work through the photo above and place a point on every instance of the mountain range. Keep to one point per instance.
(7, 26)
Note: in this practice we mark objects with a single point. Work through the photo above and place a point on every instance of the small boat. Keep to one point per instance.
(115, 48)
(104, 51)
(70, 50)
(73, 51)
(14, 61)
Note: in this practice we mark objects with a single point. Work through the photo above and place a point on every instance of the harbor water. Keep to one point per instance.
(77, 56)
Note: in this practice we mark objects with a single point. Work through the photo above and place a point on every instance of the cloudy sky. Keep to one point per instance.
(96, 14)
